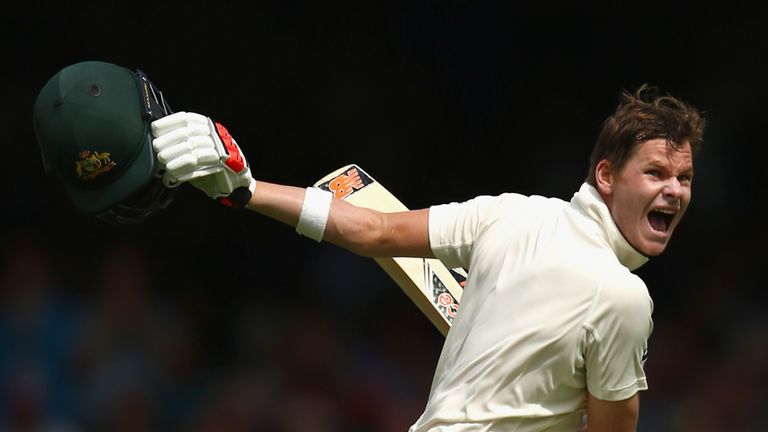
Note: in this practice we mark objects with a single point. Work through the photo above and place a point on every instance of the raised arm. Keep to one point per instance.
(192, 148)
(359, 230)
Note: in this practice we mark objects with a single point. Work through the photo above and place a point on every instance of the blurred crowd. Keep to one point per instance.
(116, 353)
(102, 347)
(709, 349)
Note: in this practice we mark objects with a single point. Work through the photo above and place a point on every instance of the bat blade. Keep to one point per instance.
(435, 289)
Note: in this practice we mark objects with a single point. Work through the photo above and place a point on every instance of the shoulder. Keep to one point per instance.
(625, 290)
(622, 303)
(497, 206)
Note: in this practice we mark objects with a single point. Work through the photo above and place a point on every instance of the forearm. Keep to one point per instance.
(353, 228)
(360, 230)
(279, 202)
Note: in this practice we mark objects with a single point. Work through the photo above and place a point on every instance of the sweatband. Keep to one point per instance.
(314, 213)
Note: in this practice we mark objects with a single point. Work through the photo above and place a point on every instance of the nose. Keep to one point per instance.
(673, 189)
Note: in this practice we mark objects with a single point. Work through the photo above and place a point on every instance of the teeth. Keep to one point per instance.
(670, 212)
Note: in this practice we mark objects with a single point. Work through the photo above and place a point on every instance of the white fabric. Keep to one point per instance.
(550, 310)
(183, 145)
(314, 213)
(190, 150)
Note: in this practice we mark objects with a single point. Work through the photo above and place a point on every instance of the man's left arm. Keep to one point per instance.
(360, 230)
(193, 148)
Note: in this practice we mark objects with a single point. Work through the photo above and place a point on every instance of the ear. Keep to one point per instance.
(604, 177)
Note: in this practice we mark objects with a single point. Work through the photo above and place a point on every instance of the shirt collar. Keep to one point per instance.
(590, 201)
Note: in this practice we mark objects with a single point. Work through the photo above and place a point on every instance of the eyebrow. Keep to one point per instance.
(653, 160)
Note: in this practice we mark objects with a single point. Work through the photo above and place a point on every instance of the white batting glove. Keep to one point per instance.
(193, 148)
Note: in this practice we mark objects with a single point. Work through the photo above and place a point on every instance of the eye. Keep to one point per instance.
(685, 178)
(653, 173)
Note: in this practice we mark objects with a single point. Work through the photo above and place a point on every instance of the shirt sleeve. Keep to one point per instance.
(617, 338)
(454, 227)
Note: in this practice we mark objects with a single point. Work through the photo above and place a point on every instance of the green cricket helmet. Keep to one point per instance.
(92, 123)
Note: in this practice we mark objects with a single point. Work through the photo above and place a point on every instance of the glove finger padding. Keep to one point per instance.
(176, 121)
(179, 136)
(205, 172)
(198, 160)
(195, 144)
(193, 148)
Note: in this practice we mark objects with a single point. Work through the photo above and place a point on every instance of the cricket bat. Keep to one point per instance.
(435, 289)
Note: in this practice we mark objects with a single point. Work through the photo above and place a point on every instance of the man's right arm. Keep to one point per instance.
(612, 416)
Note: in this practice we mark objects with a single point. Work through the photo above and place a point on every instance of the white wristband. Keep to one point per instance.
(314, 213)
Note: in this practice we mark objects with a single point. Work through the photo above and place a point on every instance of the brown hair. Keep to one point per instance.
(641, 116)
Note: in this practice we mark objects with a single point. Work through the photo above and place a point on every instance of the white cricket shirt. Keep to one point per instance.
(550, 310)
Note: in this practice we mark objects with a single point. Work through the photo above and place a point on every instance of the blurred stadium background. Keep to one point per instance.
(205, 319)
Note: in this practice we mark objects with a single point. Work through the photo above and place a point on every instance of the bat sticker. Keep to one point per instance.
(347, 183)
(445, 302)
(460, 275)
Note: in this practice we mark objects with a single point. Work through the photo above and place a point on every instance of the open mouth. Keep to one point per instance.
(660, 219)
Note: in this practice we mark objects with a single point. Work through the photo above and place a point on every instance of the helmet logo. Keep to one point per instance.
(92, 164)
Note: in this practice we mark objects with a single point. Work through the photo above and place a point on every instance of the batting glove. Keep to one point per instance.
(193, 148)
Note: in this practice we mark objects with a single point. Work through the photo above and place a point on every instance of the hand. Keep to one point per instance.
(193, 148)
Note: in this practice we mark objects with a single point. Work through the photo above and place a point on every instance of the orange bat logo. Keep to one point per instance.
(345, 184)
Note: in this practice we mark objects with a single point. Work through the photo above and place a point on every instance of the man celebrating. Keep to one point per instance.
(553, 324)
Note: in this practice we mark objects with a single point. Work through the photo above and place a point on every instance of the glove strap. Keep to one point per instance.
(239, 197)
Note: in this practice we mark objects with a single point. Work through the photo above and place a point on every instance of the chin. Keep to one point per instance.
(652, 250)
(655, 252)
